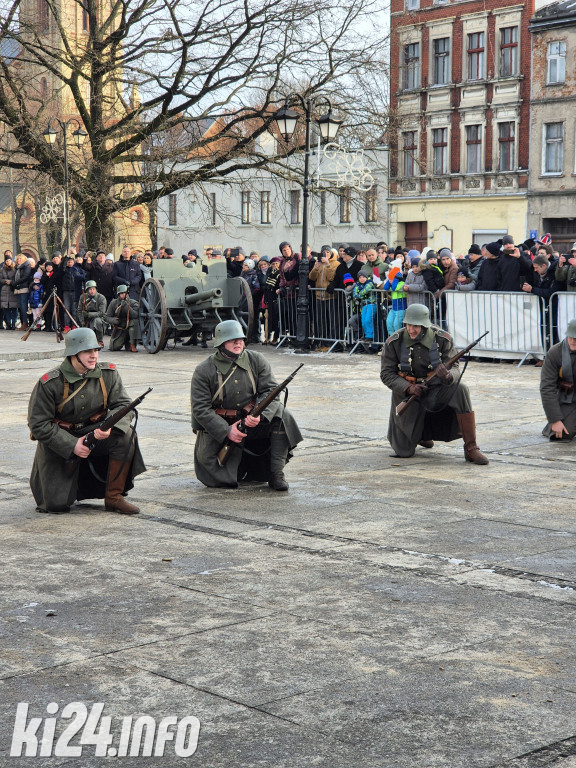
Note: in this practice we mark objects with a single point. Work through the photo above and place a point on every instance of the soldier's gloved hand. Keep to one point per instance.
(415, 389)
(81, 450)
(252, 421)
(444, 375)
(235, 435)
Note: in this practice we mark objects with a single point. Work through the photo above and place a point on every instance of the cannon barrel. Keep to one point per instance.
(194, 298)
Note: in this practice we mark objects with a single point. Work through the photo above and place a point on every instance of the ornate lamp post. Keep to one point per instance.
(79, 136)
(286, 120)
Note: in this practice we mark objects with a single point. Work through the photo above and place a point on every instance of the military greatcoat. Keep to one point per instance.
(559, 405)
(51, 488)
(238, 391)
(433, 416)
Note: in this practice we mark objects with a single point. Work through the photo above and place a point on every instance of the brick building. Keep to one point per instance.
(552, 194)
(460, 87)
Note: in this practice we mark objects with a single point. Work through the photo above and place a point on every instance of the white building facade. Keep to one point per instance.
(257, 211)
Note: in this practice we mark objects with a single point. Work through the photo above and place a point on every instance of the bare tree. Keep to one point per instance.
(138, 73)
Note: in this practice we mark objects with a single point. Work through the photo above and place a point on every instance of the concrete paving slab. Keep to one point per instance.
(436, 717)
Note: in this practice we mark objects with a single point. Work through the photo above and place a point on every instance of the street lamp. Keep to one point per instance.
(79, 136)
(286, 120)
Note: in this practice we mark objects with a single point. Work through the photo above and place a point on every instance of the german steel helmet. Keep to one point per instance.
(417, 314)
(80, 340)
(121, 289)
(571, 330)
(228, 330)
(91, 284)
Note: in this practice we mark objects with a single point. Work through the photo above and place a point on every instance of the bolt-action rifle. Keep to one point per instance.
(224, 452)
(90, 441)
(401, 407)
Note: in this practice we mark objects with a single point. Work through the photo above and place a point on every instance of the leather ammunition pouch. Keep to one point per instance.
(91, 422)
(232, 416)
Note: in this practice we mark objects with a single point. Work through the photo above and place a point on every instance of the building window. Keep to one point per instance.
(265, 208)
(442, 61)
(411, 66)
(43, 15)
(172, 210)
(295, 206)
(345, 200)
(473, 148)
(371, 205)
(440, 151)
(412, 5)
(322, 208)
(553, 147)
(556, 62)
(508, 51)
(245, 213)
(410, 150)
(476, 56)
(85, 19)
(212, 200)
(506, 139)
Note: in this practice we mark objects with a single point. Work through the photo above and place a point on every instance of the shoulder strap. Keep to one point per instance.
(66, 397)
(221, 384)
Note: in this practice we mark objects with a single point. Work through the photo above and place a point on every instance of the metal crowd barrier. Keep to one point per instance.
(562, 310)
(337, 320)
(518, 323)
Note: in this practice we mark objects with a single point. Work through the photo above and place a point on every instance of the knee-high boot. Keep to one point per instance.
(117, 475)
(279, 448)
(467, 424)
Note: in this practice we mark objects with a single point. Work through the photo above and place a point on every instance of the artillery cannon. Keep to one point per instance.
(182, 300)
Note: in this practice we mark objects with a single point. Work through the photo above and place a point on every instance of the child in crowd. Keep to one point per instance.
(433, 275)
(364, 302)
(271, 288)
(35, 299)
(415, 285)
(395, 284)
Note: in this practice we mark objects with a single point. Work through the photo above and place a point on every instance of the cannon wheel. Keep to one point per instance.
(245, 310)
(153, 316)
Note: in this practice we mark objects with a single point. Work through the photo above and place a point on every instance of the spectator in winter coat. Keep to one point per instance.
(489, 273)
(8, 300)
(449, 269)
(395, 284)
(415, 285)
(271, 288)
(542, 280)
(72, 274)
(566, 270)
(128, 272)
(514, 266)
(469, 269)
(35, 295)
(321, 276)
(375, 265)
(22, 280)
(431, 272)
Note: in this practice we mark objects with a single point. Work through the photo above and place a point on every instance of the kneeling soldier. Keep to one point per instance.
(91, 311)
(443, 410)
(121, 315)
(66, 404)
(557, 387)
(224, 389)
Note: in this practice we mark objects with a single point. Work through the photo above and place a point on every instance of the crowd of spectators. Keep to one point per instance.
(348, 283)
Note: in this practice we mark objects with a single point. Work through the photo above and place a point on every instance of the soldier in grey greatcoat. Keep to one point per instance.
(122, 314)
(66, 404)
(91, 311)
(443, 410)
(557, 387)
(223, 388)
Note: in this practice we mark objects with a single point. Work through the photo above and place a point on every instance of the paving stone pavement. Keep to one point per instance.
(384, 613)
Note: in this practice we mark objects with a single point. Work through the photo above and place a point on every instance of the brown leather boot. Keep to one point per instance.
(117, 476)
(133, 348)
(467, 424)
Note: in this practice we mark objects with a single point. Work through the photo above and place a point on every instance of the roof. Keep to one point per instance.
(560, 13)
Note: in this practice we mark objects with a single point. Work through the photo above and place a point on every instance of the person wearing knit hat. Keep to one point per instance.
(475, 249)
(364, 305)
(395, 284)
(348, 281)
(469, 269)
(35, 296)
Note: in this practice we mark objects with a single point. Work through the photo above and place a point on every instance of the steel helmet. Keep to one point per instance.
(91, 284)
(228, 330)
(417, 314)
(121, 289)
(80, 340)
